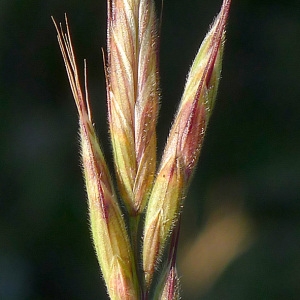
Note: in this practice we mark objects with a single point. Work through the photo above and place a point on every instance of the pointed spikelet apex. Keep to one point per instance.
(187, 132)
(132, 92)
(183, 146)
(110, 237)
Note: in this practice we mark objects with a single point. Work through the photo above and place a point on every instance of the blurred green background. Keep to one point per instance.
(240, 236)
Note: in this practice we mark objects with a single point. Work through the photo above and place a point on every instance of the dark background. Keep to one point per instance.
(245, 194)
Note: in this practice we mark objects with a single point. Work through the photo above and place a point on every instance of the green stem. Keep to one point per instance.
(134, 221)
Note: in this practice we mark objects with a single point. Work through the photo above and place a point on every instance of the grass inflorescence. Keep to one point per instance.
(129, 253)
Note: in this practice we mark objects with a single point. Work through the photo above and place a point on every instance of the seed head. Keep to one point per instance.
(132, 92)
(110, 237)
(183, 146)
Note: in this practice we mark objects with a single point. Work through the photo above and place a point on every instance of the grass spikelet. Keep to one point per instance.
(132, 84)
(110, 237)
(183, 146)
